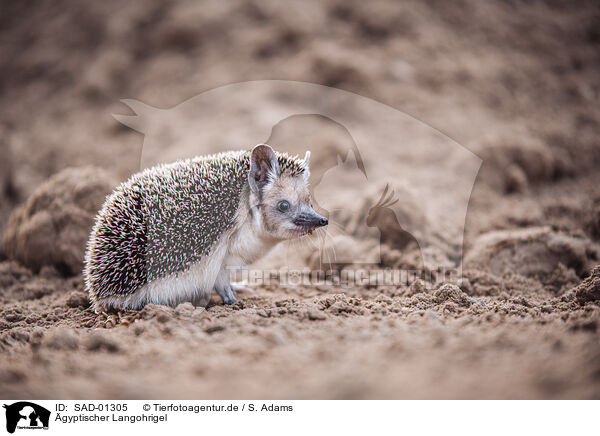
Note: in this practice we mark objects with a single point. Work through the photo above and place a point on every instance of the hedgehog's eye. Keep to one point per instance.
(283, 206)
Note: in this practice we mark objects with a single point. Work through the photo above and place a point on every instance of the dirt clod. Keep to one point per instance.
(62, 339)
(101, 342)
(589, 289)
(78, 299)
(451, 293)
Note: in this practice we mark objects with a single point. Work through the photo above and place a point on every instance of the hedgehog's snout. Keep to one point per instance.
(310, 220)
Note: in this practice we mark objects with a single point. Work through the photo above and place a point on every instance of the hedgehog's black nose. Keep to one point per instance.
(323, 221)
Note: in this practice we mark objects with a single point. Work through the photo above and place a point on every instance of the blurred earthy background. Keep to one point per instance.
(515, 82)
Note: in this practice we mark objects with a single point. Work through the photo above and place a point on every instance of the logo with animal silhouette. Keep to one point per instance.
(26, 415)
(400, 201)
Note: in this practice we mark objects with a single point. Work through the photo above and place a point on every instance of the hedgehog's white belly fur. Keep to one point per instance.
(195, 284)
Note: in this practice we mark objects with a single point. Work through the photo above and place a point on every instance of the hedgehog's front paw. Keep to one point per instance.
(229, 301)
(227, 295)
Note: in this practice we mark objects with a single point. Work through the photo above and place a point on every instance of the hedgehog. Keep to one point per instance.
(170, 234)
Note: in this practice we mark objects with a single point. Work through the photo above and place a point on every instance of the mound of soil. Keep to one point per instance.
(52, 227)
(514, 163)
(536, 252)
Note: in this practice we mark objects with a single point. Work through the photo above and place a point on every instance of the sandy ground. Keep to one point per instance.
(516, 84)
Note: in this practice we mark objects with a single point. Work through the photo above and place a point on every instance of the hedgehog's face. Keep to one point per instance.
(281, 198)
(287, 210)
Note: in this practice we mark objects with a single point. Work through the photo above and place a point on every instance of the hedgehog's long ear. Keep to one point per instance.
(306, 172)
(263, 167)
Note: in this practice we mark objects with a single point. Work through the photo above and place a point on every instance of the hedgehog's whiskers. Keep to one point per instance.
(325, 236)
(323, 241)
(328, 235)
